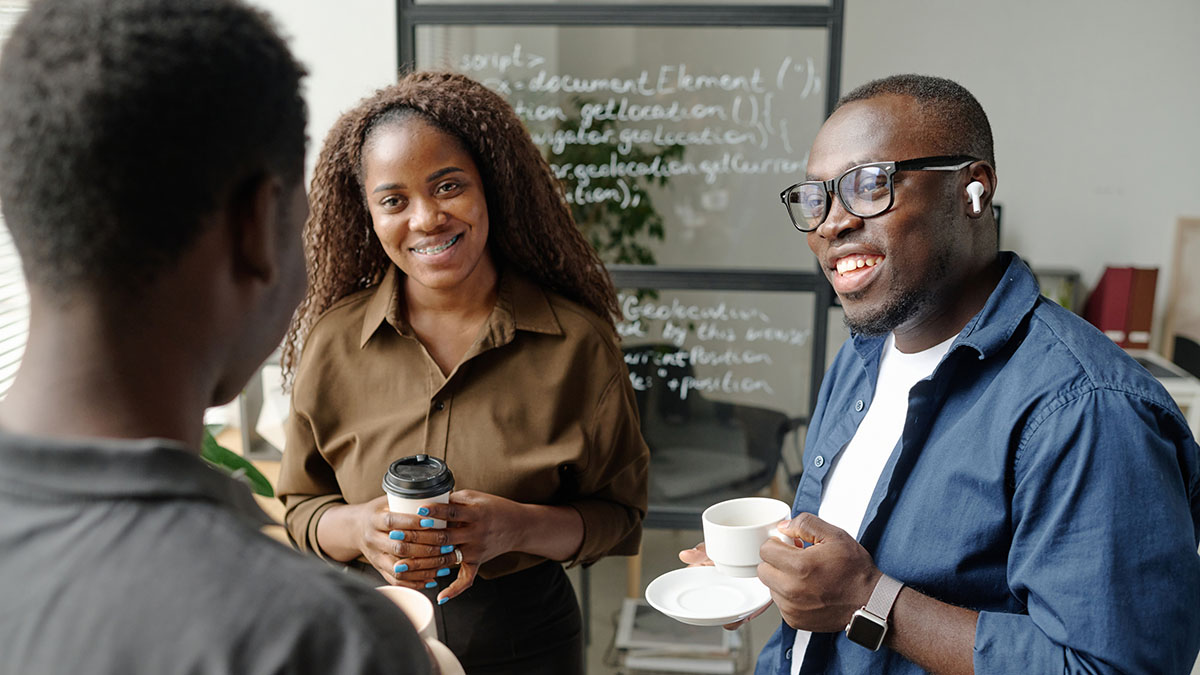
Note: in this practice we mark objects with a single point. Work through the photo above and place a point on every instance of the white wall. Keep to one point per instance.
(349, 48)
(1094, 104)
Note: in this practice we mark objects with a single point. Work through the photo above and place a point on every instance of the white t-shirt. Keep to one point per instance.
(856, 470)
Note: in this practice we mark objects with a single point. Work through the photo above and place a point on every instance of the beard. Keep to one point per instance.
(901, 304)
(886, 319)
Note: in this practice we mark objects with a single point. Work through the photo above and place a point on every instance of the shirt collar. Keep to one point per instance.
(520, 305)
(384, 305)
(1007, 307)
(992, 327)
(113, 469)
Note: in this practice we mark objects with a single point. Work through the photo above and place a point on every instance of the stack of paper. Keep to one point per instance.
(650, 641)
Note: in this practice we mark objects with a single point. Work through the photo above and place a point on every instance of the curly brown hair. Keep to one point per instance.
(530, 225)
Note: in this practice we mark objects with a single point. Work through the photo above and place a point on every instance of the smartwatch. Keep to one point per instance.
(869, 625)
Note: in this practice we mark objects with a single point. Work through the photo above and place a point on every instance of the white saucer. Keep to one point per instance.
(702, 596)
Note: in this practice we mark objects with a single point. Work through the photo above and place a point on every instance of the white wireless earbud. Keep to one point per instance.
(975, 190)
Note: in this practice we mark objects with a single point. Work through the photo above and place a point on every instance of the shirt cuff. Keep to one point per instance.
(608, 529)
(302, 522)
(1012, 643)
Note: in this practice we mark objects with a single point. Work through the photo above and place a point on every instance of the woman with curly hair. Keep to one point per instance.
(455, 309)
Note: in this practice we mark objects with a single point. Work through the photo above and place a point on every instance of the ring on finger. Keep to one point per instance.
(457, 556)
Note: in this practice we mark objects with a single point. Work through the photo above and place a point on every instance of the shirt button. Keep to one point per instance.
(858, 405)
(788, 654)
(439, 405)
(819, 461)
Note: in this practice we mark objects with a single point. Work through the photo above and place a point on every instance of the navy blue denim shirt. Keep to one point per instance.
(1043, 478)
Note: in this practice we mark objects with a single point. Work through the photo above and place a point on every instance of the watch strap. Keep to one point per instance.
(883, 597)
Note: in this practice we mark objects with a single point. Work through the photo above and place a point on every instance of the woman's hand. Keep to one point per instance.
(482, 526)
(383, 538)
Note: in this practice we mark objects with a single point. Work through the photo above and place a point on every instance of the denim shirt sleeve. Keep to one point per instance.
(1099, 494)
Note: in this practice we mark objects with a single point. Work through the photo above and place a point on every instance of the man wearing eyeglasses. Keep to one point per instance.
(989, 483)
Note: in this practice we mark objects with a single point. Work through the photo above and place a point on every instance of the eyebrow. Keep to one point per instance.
(844, 168)
(428, 179)
(441, 172)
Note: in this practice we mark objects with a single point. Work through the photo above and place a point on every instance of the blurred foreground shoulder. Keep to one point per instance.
(331, 623)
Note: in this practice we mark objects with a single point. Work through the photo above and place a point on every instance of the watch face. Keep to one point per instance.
(867, 630)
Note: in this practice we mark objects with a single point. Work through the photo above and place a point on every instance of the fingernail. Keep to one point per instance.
(427, 522)
(432, 584)
(442, 601)
(396, 534)
(447, 548)
(422, 511)
(445, 571)
(401, 568)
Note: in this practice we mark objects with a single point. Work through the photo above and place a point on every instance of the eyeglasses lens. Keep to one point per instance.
(808, 203)
(866, 191)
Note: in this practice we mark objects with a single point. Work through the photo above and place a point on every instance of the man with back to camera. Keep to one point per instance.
(1026, 498)
(151, 173)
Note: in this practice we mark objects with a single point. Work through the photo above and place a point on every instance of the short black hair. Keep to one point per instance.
(125, 122)
(948, 103)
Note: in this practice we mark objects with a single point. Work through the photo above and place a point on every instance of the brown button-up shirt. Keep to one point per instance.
(540, 411)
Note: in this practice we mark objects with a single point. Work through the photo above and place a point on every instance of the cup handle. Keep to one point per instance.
(782, 537)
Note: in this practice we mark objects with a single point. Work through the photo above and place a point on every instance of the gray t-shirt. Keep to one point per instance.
(136, 557)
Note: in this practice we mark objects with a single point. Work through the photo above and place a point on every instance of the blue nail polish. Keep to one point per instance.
(447, 548)
(445, 571)
(422, 511)
(442, 601)
(427, 522)
(401, 568)
(432, 584)
(396, 534)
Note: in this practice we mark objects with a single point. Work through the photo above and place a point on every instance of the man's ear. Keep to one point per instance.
(985, 175)
(254, 215)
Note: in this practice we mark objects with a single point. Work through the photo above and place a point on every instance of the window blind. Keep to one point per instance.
(14, 310)
(14, 299)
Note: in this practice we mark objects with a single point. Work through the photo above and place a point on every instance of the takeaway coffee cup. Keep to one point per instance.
(416, 480)
(735, 529)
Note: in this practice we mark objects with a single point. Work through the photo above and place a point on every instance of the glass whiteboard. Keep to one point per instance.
(674, 143)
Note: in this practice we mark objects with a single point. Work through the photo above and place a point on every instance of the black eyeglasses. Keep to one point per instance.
(865, 190)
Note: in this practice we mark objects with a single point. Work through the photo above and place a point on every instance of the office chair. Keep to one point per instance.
(1187, 355)
(701, 451)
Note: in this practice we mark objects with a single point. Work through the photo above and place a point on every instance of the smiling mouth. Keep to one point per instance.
(434, 250)
(851, 264)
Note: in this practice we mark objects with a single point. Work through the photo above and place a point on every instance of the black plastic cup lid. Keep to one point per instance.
(418, 476)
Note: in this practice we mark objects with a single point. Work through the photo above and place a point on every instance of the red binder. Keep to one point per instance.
(1107, 307)
(1122, 305)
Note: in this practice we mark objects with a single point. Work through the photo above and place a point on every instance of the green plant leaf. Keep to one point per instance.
(234, 464)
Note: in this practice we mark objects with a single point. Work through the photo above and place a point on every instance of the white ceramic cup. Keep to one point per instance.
(416, 607)
(736, 528)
